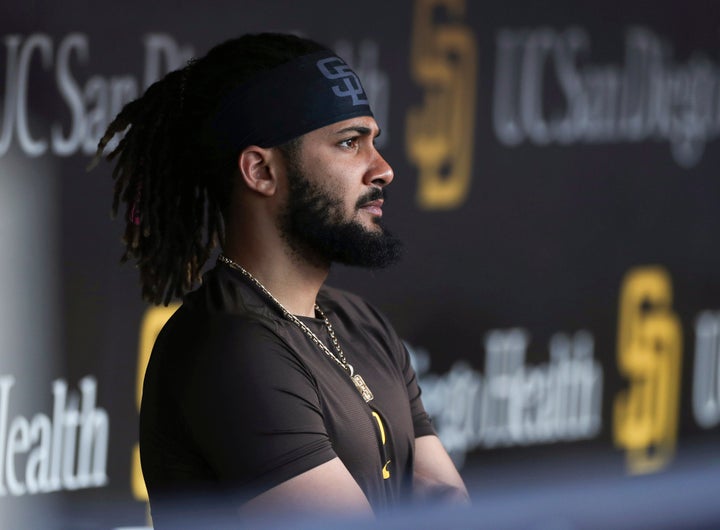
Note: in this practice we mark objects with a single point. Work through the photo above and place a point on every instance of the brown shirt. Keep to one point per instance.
(237, 396)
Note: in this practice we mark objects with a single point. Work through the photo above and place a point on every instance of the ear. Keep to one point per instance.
(258, 169)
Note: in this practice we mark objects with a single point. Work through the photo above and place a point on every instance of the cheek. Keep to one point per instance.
(344, 199)
(335, 180)
(336, 187)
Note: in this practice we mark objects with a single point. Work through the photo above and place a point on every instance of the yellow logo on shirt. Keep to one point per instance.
(383, 441)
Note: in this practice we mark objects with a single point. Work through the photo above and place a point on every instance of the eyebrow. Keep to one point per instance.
(358, 129)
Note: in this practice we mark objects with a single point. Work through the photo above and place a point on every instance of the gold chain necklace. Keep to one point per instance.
(340, 358)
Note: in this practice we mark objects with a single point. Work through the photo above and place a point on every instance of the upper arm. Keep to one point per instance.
(246, 417)
(435, 475)
(253, 411)
(326, 489)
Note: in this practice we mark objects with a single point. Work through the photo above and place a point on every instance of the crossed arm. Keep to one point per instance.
(329, 489)
(435, 476)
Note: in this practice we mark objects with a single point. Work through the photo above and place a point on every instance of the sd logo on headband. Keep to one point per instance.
(289, 100)
(335, 68)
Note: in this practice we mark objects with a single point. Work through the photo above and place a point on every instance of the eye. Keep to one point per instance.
(349, 143)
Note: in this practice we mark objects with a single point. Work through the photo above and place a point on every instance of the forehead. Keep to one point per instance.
(363, 125)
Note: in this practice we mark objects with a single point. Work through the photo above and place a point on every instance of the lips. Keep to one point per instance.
(373, 207)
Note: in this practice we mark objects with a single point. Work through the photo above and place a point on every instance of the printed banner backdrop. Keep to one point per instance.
(556, 189)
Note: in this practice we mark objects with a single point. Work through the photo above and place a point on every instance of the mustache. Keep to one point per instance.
(373, 195)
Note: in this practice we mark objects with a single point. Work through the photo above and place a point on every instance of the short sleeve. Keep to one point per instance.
(253, 408)
(422, 423)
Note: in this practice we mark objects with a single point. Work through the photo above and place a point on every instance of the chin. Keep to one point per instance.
(375, 227)
(371, 225)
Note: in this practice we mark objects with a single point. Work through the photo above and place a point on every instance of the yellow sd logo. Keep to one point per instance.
(440, 135)
(649, 355)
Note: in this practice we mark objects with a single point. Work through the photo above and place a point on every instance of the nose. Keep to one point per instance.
(379, 173)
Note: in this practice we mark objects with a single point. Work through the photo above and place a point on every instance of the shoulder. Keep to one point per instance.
(354, 314)
(346, 303)
(227, 337)
(229, 366)
(217, 352)
(191, 326)
(224, 315)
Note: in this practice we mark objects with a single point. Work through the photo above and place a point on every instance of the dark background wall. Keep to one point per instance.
(555, 186)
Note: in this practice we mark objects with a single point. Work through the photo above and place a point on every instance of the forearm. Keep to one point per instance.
(427, 489)
(435, 477)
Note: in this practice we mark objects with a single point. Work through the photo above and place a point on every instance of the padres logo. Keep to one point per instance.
(649, 355)
(440, 134)
(349, 86)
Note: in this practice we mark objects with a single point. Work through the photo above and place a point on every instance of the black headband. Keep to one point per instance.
(290, 100)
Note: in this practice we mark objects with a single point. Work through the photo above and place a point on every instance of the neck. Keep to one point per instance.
(253, 241)
(292, 282)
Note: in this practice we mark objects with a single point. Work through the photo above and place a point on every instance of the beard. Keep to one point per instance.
(315, 227)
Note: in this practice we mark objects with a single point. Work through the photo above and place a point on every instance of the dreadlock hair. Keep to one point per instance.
(173, 175)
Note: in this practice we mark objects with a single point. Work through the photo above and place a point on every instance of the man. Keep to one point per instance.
(290, 395)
